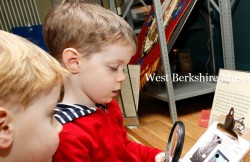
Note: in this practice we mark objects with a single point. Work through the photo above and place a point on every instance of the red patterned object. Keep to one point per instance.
(148, 53)
(204, 119)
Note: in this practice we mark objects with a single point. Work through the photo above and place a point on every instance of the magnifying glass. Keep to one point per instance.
(175, 142)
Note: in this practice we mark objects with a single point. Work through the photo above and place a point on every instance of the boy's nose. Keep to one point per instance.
(121, 77)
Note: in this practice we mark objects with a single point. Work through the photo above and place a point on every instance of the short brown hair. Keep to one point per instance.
(25, 70)
(86, 27)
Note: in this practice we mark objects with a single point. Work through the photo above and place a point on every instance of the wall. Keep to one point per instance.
(42, 7)
(241, 29)
(196, 40)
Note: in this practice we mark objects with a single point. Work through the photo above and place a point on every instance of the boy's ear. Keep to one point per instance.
(6, 129)
(70, 59)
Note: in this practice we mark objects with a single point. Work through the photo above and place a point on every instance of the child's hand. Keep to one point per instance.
(160, 157)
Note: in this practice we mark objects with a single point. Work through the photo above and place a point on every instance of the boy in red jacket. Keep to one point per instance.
(95, 45)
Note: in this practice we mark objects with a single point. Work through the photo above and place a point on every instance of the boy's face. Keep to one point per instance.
(36, 130)
(102, 73)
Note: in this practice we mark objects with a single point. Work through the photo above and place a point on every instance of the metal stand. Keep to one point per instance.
(224, 9)
(112, 6)
(165, 59)
(173, 94)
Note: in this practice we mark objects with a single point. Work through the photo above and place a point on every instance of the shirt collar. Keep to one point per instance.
(68, 112)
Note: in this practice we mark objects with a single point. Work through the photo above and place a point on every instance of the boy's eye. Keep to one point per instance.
(113, 68)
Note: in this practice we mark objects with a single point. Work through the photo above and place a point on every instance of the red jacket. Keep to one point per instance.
(100, 137)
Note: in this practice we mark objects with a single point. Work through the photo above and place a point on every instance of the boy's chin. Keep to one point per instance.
(50, 160)
(107, 101)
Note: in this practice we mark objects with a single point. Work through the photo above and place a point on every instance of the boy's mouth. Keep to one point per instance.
(115, 93)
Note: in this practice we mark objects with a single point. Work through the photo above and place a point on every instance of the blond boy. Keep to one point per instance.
(30, 83)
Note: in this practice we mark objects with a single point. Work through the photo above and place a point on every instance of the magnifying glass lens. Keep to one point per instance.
(175, 142)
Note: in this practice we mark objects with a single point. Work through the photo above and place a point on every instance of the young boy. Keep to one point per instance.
(95, 45)
(30, 83)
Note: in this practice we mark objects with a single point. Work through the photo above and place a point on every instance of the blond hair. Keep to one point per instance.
(86, 27)
(25, 70)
